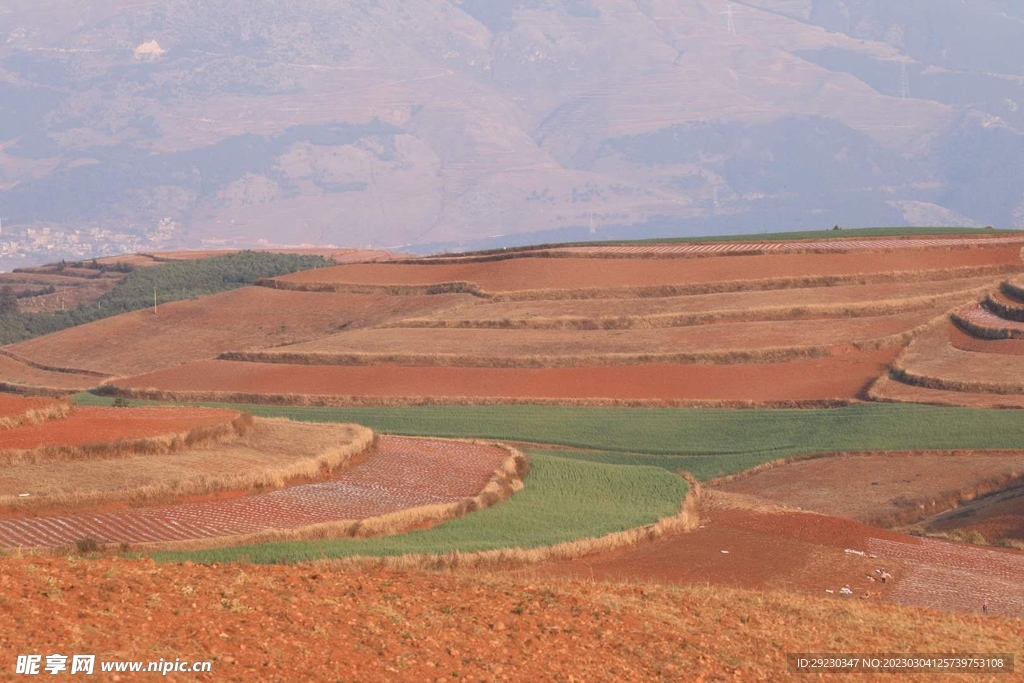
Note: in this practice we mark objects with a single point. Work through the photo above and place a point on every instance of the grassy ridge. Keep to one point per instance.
(708, 442)
(564, 500)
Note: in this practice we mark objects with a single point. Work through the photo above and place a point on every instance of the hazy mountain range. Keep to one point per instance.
(439, 122)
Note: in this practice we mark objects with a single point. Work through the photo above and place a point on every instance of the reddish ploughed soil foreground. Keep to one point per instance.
(92, 425)
(313, 623)
(577, 273)
(400, 474)
(809, 553)
(835, 377)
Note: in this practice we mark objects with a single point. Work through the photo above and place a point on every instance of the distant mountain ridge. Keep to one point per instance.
(389, 123)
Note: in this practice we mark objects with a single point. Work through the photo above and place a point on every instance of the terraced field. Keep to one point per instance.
(400, 474)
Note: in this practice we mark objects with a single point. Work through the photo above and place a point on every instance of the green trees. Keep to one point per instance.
(173, 281)
(8, 300)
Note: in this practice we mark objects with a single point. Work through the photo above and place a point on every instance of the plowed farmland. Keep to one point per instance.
(842, 376)
(317, 623)
(896, 488)
(400, 474)
(521, 274)
(762, 548)
(18, 376)
(193, 330)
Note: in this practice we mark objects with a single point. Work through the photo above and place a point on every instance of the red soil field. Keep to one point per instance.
(875, 486)
(979, 315)
(92, 425)
(250, 317)
(717, 337)
(807, 553)
(24, 377)
(835, 377)
(319, 623)
(577, 273)
(401, 473)
(13, 406)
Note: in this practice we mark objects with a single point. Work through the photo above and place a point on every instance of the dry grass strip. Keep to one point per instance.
(506, 480)
(766, 355)
(157, 445)
(1004, 306)
(340, 401)
(985, 331)
(357, 441)
(55, 411)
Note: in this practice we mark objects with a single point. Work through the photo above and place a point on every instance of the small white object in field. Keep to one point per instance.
(24, 495)
(725, 552)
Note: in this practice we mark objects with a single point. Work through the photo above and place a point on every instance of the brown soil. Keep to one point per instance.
(1004, 347)
(721, 337)
(577, 273)
(841, 376)
(996, 517)
(291, 623)
(934, 360)
(808, 553)
(879, 486)
(889, 390)
(183, 331)
(91, 425)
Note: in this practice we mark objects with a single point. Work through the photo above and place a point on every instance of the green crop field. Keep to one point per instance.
(564, 500)
(707, 442)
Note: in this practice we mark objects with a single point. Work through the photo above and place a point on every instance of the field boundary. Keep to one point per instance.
(902, 374)
(984, 331)
(339, 401)
(52, 368)
(329, 460)
(505, 481)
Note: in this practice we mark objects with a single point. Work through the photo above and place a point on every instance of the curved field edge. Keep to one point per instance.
(713, 441)
(563, 501)
(505, 480)
(199, 485)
